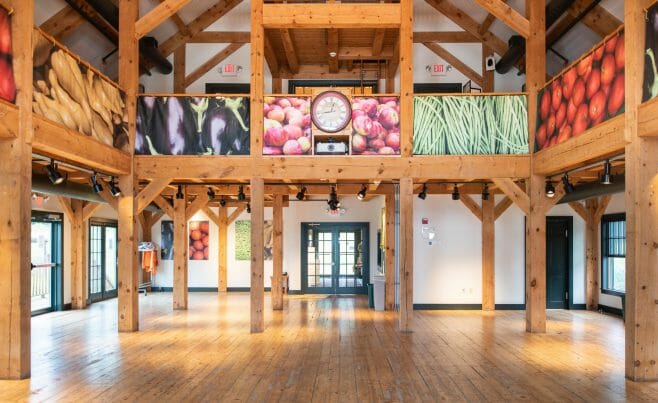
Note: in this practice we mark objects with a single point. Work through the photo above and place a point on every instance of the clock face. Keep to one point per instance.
(331, 111)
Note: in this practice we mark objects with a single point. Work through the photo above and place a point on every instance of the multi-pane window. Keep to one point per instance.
(613, 253)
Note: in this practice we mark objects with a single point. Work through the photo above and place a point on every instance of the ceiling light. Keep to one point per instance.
(114, 188)
(455, 192)
(241, 195)
(333, 201)
(248, 208)
(332, 54)
(362, 193)
(485, 192)
(302, 193)
(95, 186)
(53, 173)
(550, 189)
(211, 193)
(568, 187)
(222, 202)
(179, 193)
(606, 178)
(423, 193)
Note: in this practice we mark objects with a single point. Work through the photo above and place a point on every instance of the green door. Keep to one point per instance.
(558, 262)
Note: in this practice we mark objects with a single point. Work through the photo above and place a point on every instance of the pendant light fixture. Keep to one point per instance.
(248, 208)
(333, 201)
(53, 173)
(485, 192)
(179, 193)
(423, 193)
(606, 178)
(211, 193)
(362, 193)
(568, 187)
(241, 195)
(114, 188)
(550, 189)
(302, 193)
(95, 186)
(455, 193)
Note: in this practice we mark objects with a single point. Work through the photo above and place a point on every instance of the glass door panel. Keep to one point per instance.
(42, 265)
(102, 261)
(110, 259)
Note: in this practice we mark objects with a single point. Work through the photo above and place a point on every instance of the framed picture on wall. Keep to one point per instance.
(167, 240)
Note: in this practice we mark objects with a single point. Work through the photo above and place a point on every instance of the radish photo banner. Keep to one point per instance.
(68, 92)
(650, 87)
(190, 125)
(587, 93)
(287, 125)
(470, 124)
(7, 83)
(376, 125)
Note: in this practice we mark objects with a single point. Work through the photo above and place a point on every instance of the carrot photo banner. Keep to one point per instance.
(587, 93)
(650, 84)
(287, 125)
(376, 125)
(70, 93)
(192, 125)
(470, 124)
(7, 83)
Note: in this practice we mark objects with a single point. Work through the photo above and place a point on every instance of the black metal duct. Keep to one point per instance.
(148, 45)
(595, 189)
(516, 43)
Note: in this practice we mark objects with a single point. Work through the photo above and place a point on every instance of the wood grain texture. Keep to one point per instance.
(181, 251)
(471, 205)
(150, 192)
(389, 259)
(406, 255)
(277, 254)
(488, 255)
(222, 268)
(507, 15)
(405, 50)
(180, 68)
(63, 23)
(257, 79)
(514, 192)
(257, 285)
(592, 251)
(157, 16)
(331, 15)
(197, 204)
(78, 254)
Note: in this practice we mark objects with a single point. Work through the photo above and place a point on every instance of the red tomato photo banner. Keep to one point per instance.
(587, 93)
(199, 239)
(7, 83)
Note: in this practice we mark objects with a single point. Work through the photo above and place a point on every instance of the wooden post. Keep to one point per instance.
(536, 220)
(257, 67)
(180, 63)
(406, 44)
(181, 250)
(487, 76)
(223, 255)
(389, 259)
(592, 255)
(277, 258)
(641, 213)
(488, 255)
(79, 266)
(406, 254)
(15, 208)
(277, 85)
(128, 262)
(257, 286)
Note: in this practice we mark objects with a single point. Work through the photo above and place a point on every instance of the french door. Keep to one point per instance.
(46, 256)
(335, 258)
(102, 260)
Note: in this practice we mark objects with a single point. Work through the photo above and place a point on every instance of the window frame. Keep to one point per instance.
(605, 220)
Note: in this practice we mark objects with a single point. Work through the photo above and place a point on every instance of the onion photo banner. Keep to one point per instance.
(587, 93)
(7, 83)
(192, 125)
(650, 86)
(70, 93)
(470, 124)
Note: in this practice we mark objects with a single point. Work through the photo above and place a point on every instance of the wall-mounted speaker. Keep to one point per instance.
(490, 63)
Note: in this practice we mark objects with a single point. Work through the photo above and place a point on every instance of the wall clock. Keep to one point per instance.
(331, 111)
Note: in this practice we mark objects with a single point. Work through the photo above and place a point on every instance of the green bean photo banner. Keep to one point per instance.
(470, 125)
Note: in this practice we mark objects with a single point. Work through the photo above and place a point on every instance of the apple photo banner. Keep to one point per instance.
(287, 125)
(587, 93)
(192, 125)
(376, 125)
(7, 83)
(650, 83)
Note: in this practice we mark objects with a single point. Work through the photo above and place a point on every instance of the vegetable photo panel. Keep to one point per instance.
(190, 125)
(287, 126)
(376, 125)
(243, 240)
(7, 83)
(650, 87)
(199, 240)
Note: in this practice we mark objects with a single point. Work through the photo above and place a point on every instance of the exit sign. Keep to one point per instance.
(229, 69)
(438, 70)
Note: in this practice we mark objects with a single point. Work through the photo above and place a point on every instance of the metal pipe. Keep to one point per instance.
(589, 190)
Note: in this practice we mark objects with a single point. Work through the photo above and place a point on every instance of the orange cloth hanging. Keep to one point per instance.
(150, 261)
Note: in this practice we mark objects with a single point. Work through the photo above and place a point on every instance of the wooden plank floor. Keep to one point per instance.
(325, 349)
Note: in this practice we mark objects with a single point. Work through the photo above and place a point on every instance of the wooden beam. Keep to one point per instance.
(9, 121)
(378, 41)
(212, 62)
(150, 192)
(647, 119)
(591, 254)
(157, 16)
(128, 261)
(180, 24)
(15, 208)
(220, 37)
(488, 80)
(180, 69)
(502, 206)
(471, 205)
(595, 144)
(332, 47)
(406, 254)
(165, 206)
(235, 214)
(455, 62)
(289, 49)
(199, 203)
(65, 204)
(257, 79)
(507, 15)
(65, 22)
(57, 141)
(155, 217)
(459, 17)
(604, 201)
(109, 199)
(181, 248)
(488, 254)
(272, 62)
(579, 209)
(277, 84)
(356, 53)
(486, 24)
(598, 19)
(203, 21)
(336, 15)
(79, 232)
(277, 254)
(514, 192)
(445, 36)
(406, 51)
(89, 209)
(389, 257)
(222, 264)
(257, 287)
(214, 217)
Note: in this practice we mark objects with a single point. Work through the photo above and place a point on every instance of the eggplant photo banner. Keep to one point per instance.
(587, 93)
(70, 93)
(191, 125)
(470, 124)
(650, 83)
(7, 82)
(376, 125)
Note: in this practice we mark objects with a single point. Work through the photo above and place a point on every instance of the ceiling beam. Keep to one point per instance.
(220, 37)
(178, 21)
(200, 23)
(63, 23)
(455, 62)
(289, 49)
(332, 47)
(507, 15)
(598, 20)
(446, 36)
(486, 24)
(378, 41)
(270, 58)
(212, 62)
(364, 53)
(157, 15)
(331, 15)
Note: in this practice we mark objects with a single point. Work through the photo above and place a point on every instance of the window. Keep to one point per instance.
(613, 254)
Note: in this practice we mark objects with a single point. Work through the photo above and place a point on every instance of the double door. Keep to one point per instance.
(46, 256)
(103, 260)
(335, 258)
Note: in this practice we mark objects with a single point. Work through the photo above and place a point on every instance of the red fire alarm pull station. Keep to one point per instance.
(425, 221)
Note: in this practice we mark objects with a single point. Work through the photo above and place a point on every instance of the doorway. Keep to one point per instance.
(46, 256)
(103, 258)
(335, 258)
(559, 266)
